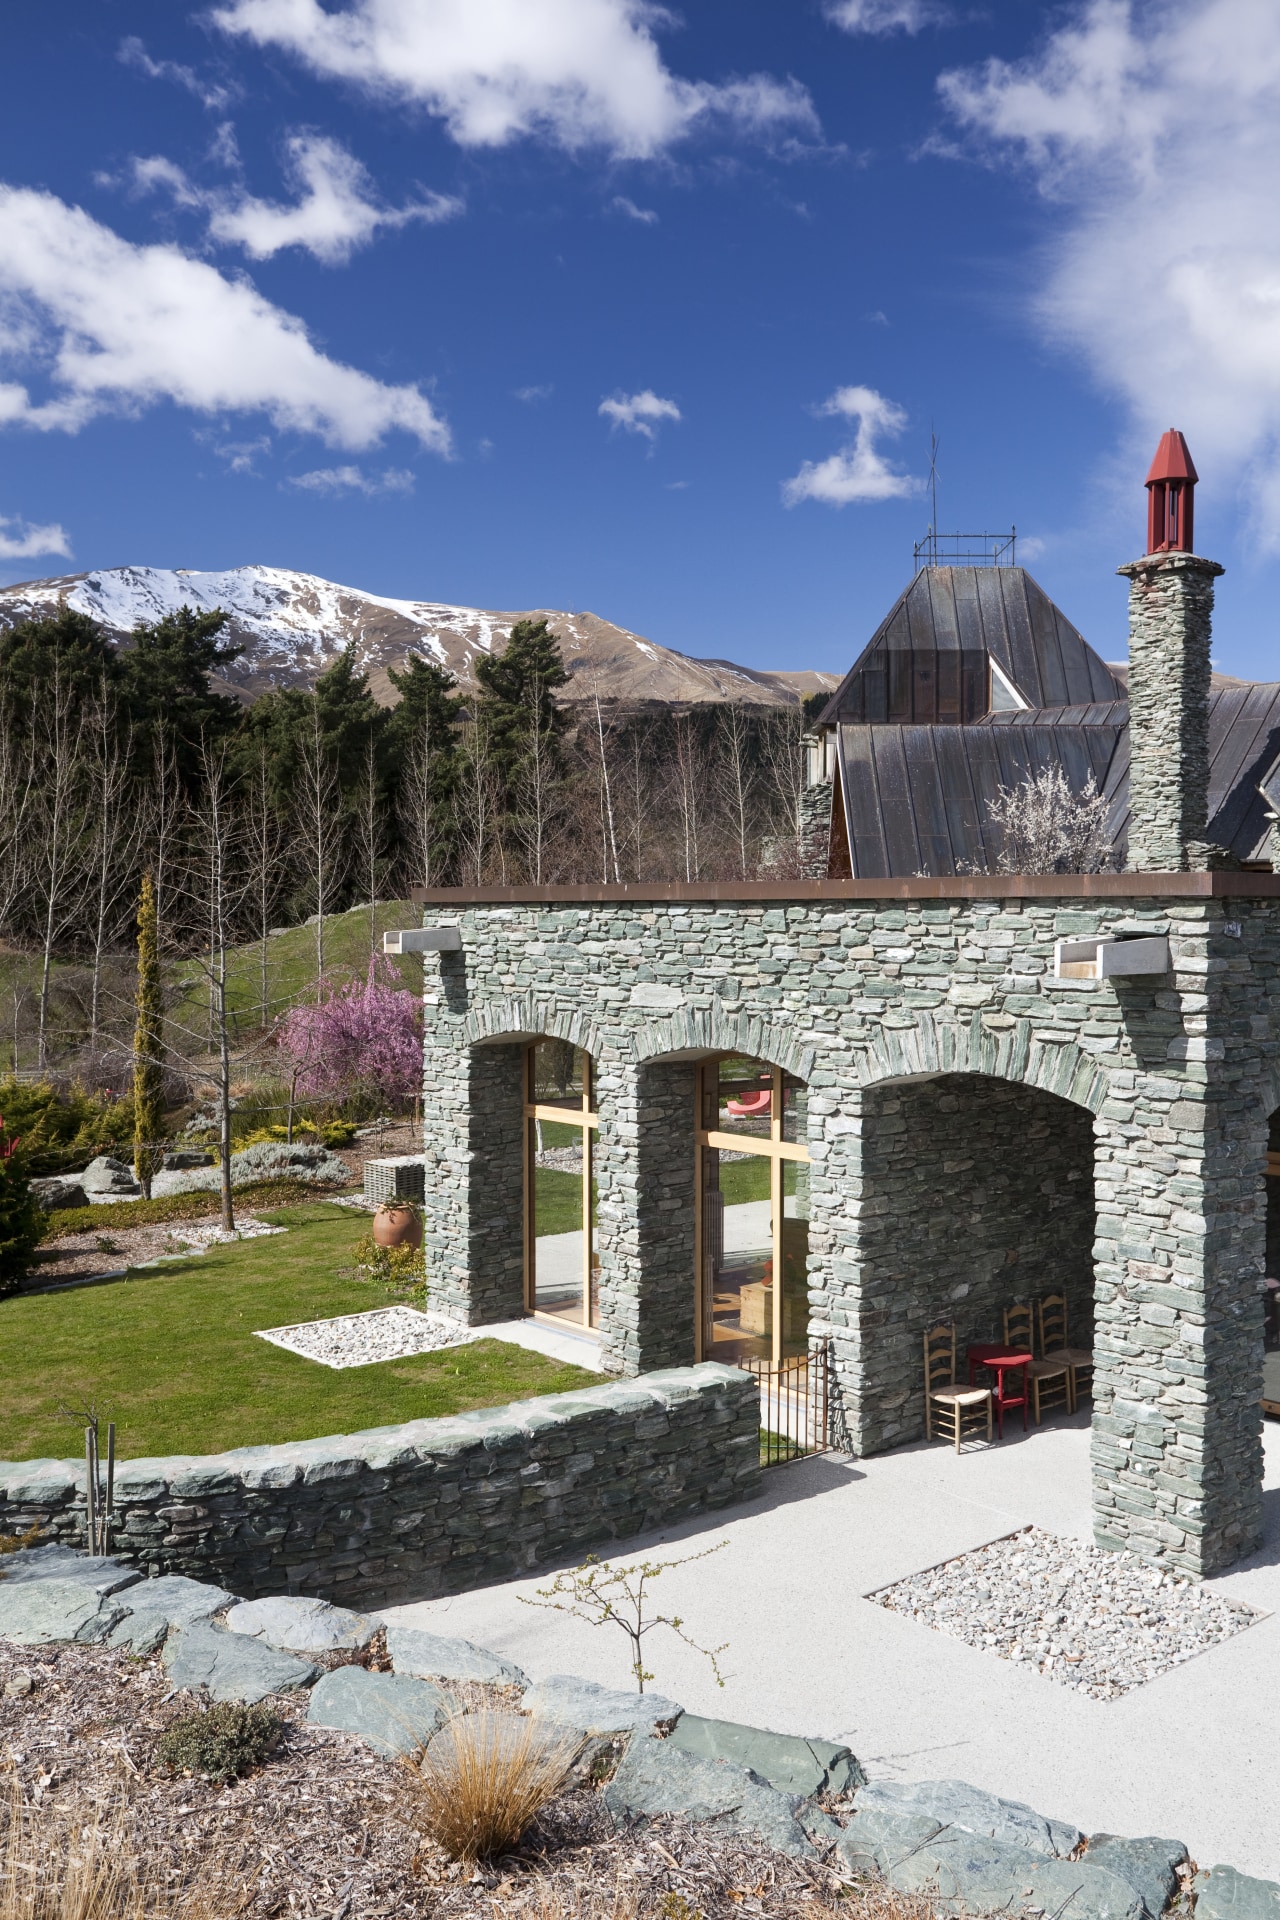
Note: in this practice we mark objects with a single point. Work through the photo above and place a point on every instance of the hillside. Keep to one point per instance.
(293, 625)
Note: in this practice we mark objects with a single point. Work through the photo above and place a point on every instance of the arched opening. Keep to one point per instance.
(562, 1264)
(753, 1211)
(974, 1194)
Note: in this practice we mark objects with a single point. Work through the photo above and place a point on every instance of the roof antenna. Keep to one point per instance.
(933, 490)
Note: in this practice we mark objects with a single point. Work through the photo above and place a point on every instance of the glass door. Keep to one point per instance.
(561, 1263)
(753, 1196)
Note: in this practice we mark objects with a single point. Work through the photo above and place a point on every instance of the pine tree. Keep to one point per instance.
(517, 696)
(148, 1043)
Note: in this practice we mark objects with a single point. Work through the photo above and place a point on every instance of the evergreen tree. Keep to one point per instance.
(165, 677)
(517, 699)
(19, 1215)
(69, 644)
(148, 1043)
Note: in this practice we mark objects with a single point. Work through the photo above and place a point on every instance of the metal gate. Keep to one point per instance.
(795, 1404)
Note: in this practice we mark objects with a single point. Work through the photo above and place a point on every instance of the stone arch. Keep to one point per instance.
(931, 1046)
(717, 1029)
(530, 1018)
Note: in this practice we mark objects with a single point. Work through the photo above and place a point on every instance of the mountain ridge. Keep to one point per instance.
(293, 625)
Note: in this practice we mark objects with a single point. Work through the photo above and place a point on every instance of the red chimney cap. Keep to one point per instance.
(1173, 460)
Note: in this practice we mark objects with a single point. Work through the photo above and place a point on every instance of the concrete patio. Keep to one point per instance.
(1193, 1754)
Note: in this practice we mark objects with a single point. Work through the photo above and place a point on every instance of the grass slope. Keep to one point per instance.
(169, 1354)
(291, 966)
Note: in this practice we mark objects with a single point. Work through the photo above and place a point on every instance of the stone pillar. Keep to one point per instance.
(473, 1111)
(1177, 1426)
(1170, 615)
(645, 1214)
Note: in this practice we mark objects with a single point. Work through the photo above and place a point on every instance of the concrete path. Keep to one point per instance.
(1195, 1754)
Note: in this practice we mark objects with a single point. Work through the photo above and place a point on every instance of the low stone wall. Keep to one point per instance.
(432, 1507)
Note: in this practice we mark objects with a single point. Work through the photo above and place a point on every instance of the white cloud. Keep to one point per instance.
(857, 471)
(640, 413)
(336, 210)
(531, 395)
(213, 94)
(1156, 131)
(580, 73)
(19, 540)
(645, 215)
(886, 16)
(110, 327)
(354, 480)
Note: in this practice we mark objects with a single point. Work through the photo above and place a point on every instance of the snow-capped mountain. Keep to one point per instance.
(293, 625)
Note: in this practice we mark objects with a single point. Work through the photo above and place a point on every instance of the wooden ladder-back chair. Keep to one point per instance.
(1048, 1381)
(1054, 1344)
(953, 1410)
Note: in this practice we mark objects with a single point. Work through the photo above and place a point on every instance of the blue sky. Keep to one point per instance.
(578, 303)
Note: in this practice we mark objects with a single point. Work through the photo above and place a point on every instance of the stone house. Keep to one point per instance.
(734, 1120)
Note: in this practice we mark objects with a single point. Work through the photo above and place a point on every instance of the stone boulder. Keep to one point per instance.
(656, 1778)
(435, 1656)
(232, 1666)
(953, 1803)
(53, 1593)
(785, 1761)
(156, 1607)
(571, 1702)
(56, 1191)
(108, 1178)
(964, 1872)
(1224, 1894)
(302, 1626)
(389, 1711)
(185, 1158)
(1149, 1865)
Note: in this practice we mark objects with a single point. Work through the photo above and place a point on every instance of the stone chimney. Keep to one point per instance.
(1170, 620)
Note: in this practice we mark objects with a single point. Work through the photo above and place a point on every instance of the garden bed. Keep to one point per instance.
(323, 1827)
(169, 1353)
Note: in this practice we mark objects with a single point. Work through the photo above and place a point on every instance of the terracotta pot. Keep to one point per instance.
(395, 1225)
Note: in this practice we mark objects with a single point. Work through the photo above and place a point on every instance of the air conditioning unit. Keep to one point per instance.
(1108, 956)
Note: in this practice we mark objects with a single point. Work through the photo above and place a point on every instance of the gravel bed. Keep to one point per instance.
(325, 1829)
(363, 1339)
(1096, 1621)
(82, 1256)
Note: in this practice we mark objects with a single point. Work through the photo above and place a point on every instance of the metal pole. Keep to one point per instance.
(90, 1490)
(111, 1487)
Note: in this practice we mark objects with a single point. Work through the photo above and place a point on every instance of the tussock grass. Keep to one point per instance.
(483, 1780)
(60, 1866)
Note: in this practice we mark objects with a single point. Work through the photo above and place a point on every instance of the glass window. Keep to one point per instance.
(563, 1262)
(559, 1074)
(754, 1195)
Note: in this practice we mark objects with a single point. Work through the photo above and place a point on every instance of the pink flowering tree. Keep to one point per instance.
(364, 1038)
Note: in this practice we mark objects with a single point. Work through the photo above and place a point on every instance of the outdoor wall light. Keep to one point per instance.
(1104, 956)
(423, 940)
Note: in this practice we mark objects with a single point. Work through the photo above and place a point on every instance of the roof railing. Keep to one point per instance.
(966, 549)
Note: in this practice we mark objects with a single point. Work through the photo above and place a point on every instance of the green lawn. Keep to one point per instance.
(169, 1354)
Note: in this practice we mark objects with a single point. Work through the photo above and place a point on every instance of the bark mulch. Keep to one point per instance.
(325, 1827)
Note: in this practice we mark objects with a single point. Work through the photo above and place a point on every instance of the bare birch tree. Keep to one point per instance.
(688, 782)
(17, 800)
(736, 780)
(116, 830)
(263, 847)
(371, 834)
(424, 827)
(59, 840)
(539, 793)
(218, 873)
(783, 753)
(479, 808)
(164, 829)
(318, 805)
(609, 837)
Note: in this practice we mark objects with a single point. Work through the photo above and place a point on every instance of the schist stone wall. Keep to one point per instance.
(433, 1507)
(907, 1017)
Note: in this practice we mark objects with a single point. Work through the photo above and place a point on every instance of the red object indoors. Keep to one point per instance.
(1002, 1360)
(1171, 486)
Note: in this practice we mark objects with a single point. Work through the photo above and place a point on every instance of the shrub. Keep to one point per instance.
(365, 1038)
(220, 1743)
(329, 1133)
(21, 1222)
(483, 1779)
(403, 1270)
(62, 1132)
